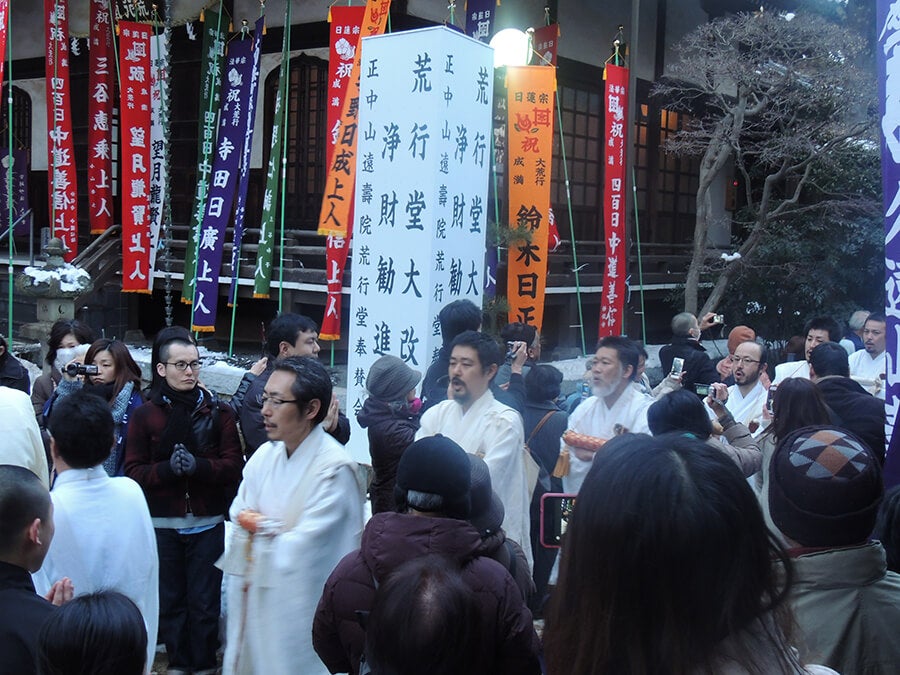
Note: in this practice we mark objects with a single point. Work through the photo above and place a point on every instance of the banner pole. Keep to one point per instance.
(637, 236)
(284, 144)
(9, 191)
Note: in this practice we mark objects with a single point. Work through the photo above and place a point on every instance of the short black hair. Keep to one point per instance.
(679, 411)
(875, 316)
(163, 339)
(22, 499)
(312, 383)
(287, 328)
(825, 323)
(829, 358)
(542, 383)
(625, 348)
(457, 317)
(99, 633)
(488, 350)
(519, 332)
(82, 428)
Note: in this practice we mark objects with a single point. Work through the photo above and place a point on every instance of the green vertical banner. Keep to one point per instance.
(262, 277)
(215, 30)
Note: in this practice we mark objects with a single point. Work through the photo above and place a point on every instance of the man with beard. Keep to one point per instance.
(817, 330)
(184, 451)
(747, 396)
(615, 407)
(483, 426)
(868, 365)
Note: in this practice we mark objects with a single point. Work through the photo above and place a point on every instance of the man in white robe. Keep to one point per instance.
(818, 330)
(747, 396)
(22, 444)
(298, 511)
(483, 426)
(616, 406)
(869, 365)
(104, 536)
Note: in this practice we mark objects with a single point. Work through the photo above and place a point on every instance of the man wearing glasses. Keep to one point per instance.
(747, 396)
(184, 451)
(298, 511)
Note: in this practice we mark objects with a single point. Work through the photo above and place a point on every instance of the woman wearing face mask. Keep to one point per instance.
(65, 334)
(391, 416)
(118, 382)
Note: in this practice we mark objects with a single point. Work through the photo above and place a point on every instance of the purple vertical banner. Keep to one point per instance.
(480, 19)
(491, 262)
(245, 162)
(888, 26)
(233, 122)
(22, 222)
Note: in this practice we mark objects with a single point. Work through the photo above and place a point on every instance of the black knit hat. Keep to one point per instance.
(487, 509)
(390, 379)
(824, 487)
(436, 465)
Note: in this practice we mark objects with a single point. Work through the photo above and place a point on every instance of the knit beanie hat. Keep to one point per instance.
(487, 509)
(739, 335)
(390, 379)
(435, 465)
(824, 487)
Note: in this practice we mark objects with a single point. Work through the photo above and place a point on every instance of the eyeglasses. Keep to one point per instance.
(276, 402)
(743, 359)
(184, 365)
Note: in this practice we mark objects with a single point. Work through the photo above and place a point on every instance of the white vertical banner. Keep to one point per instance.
(422, 172)
(159, 47)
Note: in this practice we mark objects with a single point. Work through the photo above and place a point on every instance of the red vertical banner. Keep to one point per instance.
(101, 83)
(615, 104)
(530, 106)
(346, 25)
(4, 17)
(334, 219)
(545, 45)
(134, 70)
(62, 187)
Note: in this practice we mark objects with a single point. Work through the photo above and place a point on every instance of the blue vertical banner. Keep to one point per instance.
(233, 122)
(480, 19)
(241, 209)
(888, 26)
(19, 190)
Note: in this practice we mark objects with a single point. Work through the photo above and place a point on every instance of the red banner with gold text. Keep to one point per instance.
(334, 219)
(345, 29)
(530, 106)
(101, 86)
(62, 187)
(134, 69)
(612, 302)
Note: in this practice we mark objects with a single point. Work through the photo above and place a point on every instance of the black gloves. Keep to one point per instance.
(183, 463)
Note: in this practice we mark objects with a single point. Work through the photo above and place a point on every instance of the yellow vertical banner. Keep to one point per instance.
(530, 105)
(334, 218)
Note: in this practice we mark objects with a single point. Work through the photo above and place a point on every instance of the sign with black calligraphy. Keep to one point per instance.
(19, 190)
(480, 18)
(612, 302)
(101, 85)
(888, 23)
(421, 197)
(159, 82)
(63, 188)
(232, 131)
(134, 69)
(530, 102)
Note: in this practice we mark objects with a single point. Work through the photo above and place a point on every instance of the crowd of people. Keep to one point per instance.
(730, 518)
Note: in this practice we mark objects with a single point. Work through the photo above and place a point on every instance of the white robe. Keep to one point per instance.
(22, 444)
(791, 369)
(494, 432)
(749, 407)
(272, 599)
(869, 372)
(104, 540)
(594, 418)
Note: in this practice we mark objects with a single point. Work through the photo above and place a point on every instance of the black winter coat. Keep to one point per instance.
(390, 433)
(855, 410)
(510, 645)
(698, 367)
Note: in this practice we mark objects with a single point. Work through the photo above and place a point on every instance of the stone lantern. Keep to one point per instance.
(54, 287)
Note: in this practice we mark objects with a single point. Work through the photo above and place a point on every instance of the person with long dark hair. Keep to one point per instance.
(118, 382)
(64, 335)
(668, 569)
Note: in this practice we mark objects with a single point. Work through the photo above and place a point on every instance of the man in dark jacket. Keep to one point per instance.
(184, 451)
(698, 368)
(12, 373)
(27, 517)
(288, 335)
(853, 408)
(433, 485)
(455, 318)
